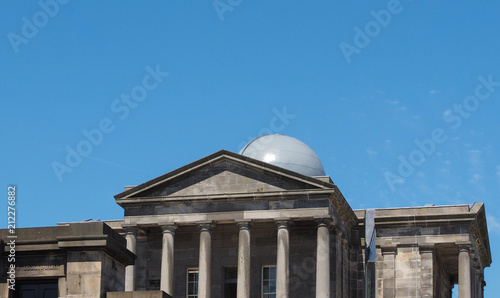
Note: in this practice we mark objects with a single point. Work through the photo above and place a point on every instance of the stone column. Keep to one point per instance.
(464, 274)
(167, 259)
(131, 237)
(243, 286)
(205, 260)
(323, 259)
(282, 259)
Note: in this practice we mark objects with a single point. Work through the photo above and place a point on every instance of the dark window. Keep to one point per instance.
(230, 281)
(36, 290)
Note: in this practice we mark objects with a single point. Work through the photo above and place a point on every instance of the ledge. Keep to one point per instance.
(138, 294)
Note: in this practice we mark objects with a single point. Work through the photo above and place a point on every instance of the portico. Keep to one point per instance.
(321, 251)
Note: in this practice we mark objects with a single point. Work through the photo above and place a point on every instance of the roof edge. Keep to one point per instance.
(218, 155)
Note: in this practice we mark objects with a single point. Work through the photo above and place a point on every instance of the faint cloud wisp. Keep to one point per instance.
(371, 151)
(425, 148)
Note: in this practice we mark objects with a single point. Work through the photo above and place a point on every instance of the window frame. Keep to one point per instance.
(268, 293)
(196, 271)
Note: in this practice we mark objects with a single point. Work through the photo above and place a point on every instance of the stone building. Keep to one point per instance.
(266, 222)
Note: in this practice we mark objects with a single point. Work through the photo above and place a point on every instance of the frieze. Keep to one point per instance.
(479, 244)
(40, 267)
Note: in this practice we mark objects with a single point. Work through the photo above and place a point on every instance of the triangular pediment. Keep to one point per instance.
(223, 173)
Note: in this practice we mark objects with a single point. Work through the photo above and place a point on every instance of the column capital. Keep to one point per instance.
(463, 245)
(244, 224)
(168, 228)
(206, 226)
(283, 223)
(130, 229)
(324, 222)
(463, 249)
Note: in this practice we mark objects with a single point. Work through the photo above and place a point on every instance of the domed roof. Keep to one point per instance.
(286, 152)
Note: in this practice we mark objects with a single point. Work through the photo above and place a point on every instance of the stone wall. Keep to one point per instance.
(302, 259)
(91, 274)
(406, 271)
(113, 274)
(83, 273)
(357, 264)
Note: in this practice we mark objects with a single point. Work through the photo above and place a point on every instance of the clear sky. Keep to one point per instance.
(399, 99)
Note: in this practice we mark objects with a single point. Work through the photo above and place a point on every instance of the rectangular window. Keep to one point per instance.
(192, 283)
(268, 281)
(34, 289)
(230, 282)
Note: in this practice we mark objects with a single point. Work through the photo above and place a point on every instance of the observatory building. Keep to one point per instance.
(265, 222)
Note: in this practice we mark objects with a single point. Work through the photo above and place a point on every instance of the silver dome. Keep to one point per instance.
(286, 152)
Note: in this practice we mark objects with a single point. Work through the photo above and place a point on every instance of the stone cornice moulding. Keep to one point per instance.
(313, 193)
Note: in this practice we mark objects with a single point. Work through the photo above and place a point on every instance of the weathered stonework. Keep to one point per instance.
(227, 216)
(418, 250)
(84, 259)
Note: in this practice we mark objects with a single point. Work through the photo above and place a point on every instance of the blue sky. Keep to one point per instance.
(159, 84)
